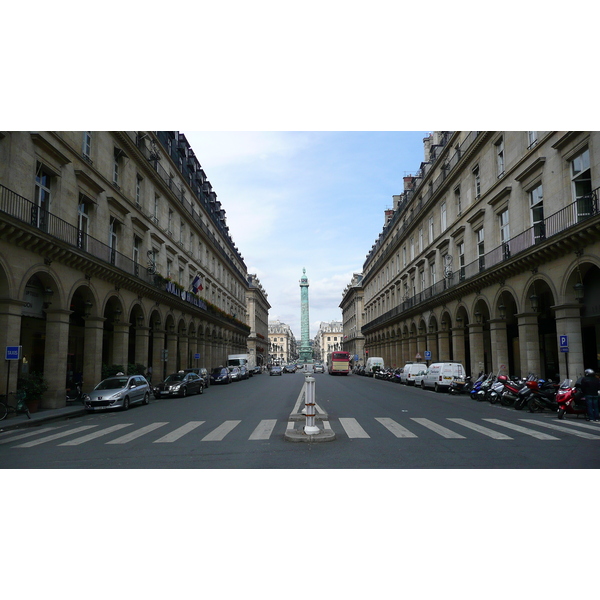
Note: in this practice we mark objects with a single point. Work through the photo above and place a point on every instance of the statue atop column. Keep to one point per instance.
(306, 355)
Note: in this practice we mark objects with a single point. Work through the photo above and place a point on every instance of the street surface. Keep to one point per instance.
(242, 425)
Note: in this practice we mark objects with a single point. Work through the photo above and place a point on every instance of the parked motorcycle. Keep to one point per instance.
(511, 389)
(570, 400)
(75, 391)
(485, 387)
(460, 385)
(477, 385)
(494, 393)
(543, 395)
(524, 394)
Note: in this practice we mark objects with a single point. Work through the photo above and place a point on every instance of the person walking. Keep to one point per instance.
(589, 387)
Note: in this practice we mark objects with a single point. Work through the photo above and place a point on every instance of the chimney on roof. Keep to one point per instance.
(427, 146)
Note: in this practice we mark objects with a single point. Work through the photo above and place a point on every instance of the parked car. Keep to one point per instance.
(276, 370)
(202, 372)
(120, 391)
(373, 363)
(180, 384)
(440, 375)
(409, 371)
(319, 368)
(257, 370)
(220, 375)
(418, 377)
(289, 369)
(244, 372)
(236, 374)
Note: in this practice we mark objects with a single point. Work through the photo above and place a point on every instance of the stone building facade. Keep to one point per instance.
(329, 337)
(114, 250)
(352, 318)
(492, 256)
(283, 348)
(258, 320)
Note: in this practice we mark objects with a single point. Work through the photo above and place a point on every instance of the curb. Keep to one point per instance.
(298, 435)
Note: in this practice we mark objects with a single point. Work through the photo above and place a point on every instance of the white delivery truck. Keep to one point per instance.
(237, 360)
(373, 362)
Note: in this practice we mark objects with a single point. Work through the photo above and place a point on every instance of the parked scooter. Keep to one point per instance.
(494, 393)
(524, 394)
(477, 385)
(570, 400)
(543, 395)
(485, 387)
(511, 389)
(75, 391)
(460, 385)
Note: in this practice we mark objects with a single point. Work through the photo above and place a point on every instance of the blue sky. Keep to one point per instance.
(304, 199)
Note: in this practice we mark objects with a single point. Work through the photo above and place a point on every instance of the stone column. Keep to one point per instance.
(405, 351)
(10, 335)
(476, 346)
(499, 344)
(142, 341)
(158, 345)
(458, 345)
(184, 358)
(412, 349)
(444, 345)
(529, 344)
(568, 322)
(421, 347)
(55, 358)
(92, 352)
(432, 346)
(120, 344)
(172, 356)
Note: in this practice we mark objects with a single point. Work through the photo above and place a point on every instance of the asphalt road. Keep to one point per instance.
(378, 425)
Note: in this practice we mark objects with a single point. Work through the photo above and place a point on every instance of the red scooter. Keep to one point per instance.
(570, 400)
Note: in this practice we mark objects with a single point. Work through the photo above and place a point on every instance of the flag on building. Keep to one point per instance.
(197, 284)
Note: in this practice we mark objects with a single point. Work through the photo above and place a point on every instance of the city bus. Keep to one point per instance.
(339, 363)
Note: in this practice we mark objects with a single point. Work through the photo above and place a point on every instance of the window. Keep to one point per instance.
(138, 191)
(531, 139)
(432, 273)
(481, 249)
(581, 178)
(170, 223)
(420, 239)
(155, 208)
(500, 157)
(422, 279)
(39, 212)
(180, 277)
(169, 267)
(181, 232)
(461, 259)
(443, 223)
(113, 238)
(536, 203)
(504, 233)
(86, 147)
(458, 201)
(413, 286)
(83, 224)
(477, 182)
(431, 233)
(412, 248)
(404, 256)
(116, 166)
(192, 244)
(137, 242)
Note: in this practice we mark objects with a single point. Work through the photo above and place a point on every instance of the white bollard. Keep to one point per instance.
(309, 401)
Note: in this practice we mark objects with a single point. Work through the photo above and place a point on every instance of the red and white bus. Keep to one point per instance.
(339, 363)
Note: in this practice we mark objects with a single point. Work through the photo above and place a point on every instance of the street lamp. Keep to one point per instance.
(534, 302)
(502, 310)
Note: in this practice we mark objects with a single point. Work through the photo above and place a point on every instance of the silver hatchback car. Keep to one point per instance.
(119, 391)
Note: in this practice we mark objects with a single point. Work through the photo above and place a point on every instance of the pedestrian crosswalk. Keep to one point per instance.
(164, 432)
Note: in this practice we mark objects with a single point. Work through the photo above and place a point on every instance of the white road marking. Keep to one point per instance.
(583, 434)
(484, 430)
(290, 425)
(178, 433)
(263, 430)
(221, 431)
(56, 436)
(28, 434)
(327, 425)
(398, 430)
(353, 429)
(443, 431)
(94, 435)
(137, 433)
(525, 430)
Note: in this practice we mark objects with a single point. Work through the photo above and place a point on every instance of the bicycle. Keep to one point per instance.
(20, 406)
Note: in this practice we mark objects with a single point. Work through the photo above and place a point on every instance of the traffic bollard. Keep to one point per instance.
(309, 402)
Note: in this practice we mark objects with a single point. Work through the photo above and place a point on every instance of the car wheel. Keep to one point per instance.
(436, 387)
(422, 385)
(126, 403)
(146, 398)
(184, 392)
(201, 390)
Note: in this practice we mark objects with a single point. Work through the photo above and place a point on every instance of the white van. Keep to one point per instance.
(410, 370)
(373, 361)
(440, 375)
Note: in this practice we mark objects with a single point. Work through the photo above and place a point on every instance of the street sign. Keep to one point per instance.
(564, 349)
(564, 341)
(165, 354)
(13, 352)
(427, 354)
(356, 357)
(196, 356)
(418, 356)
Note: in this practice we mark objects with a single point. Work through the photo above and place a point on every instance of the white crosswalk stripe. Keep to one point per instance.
(536, 434)
(582, 434)
(481, 429)
(221, 431)
(353, 429)
(22, 436)
(178, 433)
(441, 430)
(55, 436)
(96, 434)
(398, 430)
(137, 433)
(263, 430)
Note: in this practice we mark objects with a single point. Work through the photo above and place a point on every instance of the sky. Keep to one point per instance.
(306, 199)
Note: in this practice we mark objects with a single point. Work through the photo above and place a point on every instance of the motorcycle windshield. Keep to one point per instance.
(566, 384)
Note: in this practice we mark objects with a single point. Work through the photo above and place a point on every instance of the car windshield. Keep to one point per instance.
(218, 371)
(114, 383)
(174, 377)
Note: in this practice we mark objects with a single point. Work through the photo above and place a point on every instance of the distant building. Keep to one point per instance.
(352, 318)
(329, 337)
(282, 344)
(258, 320)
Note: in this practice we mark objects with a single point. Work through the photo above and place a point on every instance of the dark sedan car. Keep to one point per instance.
(220, 375)
(276, 371)
(202, 372)
(289, 369)
(180, 384)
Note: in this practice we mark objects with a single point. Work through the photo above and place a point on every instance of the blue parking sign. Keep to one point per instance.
(564, 341)
(427, 354)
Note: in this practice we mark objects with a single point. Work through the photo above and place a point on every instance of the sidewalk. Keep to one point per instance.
(43, 415)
